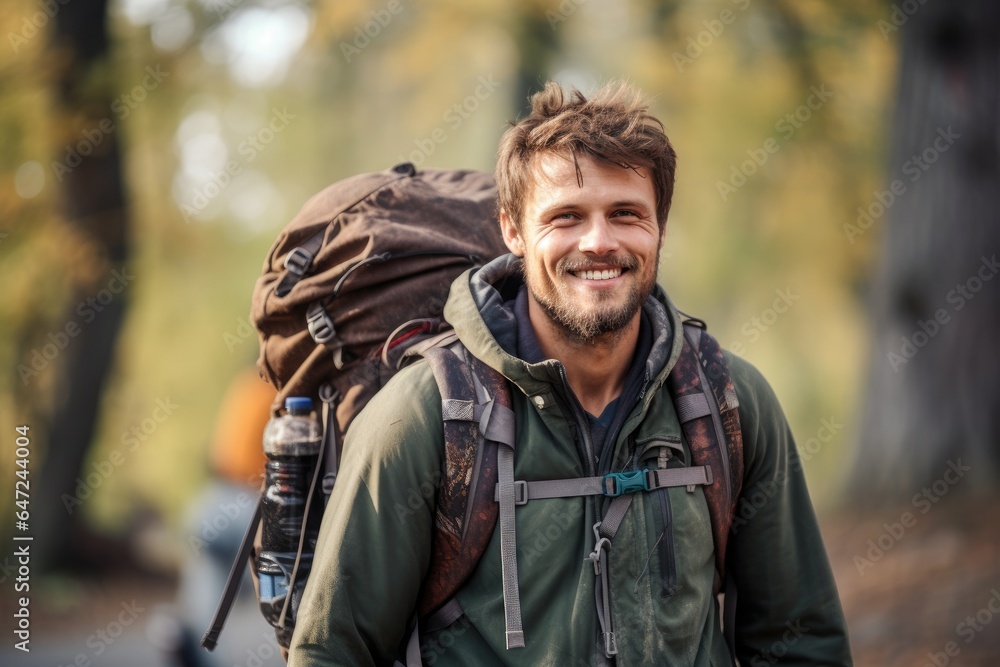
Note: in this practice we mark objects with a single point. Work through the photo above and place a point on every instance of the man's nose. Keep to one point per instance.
(598, 237)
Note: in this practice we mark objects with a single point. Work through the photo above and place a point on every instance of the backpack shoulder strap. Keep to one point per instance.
(466, 512)
(705, 398)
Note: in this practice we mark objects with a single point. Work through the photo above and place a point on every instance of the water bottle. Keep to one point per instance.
(292, 443)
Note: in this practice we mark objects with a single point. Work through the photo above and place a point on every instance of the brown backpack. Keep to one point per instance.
(361, 258)
(353, 289)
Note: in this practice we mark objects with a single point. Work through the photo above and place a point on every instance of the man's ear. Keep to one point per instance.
(511, 234)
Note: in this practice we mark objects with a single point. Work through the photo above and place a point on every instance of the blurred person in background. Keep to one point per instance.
(215, 523)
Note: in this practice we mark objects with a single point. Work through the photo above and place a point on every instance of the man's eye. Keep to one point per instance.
(624, 212)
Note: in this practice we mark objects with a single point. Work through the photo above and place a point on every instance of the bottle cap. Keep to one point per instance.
(299, 404)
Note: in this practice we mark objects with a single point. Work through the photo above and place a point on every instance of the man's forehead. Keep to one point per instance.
(553, 167)
(558, 170)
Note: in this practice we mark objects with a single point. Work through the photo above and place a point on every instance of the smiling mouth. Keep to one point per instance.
(606, 274)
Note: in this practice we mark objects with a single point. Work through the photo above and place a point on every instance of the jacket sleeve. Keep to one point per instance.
(374, 544)
(787, 610)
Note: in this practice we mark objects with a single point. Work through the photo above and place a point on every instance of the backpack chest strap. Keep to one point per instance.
(619, 486)
(611, 485)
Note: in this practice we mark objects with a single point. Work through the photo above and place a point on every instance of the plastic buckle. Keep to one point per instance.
(320, 324)
(520, 492)
(298, 261)
(617, 483)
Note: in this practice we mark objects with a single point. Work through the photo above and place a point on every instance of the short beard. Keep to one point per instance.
(588, 328)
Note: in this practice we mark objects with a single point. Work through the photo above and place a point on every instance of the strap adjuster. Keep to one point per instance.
(298, 261)
(617, 483)
(320, 323)
(520, 492)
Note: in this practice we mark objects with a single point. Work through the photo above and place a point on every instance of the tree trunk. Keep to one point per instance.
(538, 40)
(92, 200)
(933, 391)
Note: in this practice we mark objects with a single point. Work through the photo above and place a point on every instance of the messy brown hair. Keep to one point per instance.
(613, 126)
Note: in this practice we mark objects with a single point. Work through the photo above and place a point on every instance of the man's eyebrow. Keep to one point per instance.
(571, 205)
(630, 204)
(561, 205)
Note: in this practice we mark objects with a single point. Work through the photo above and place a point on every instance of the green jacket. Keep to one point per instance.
(374, 545)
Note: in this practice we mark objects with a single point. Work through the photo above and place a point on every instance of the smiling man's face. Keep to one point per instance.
(590, 251)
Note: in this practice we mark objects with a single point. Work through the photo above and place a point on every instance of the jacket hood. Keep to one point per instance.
(480, 308)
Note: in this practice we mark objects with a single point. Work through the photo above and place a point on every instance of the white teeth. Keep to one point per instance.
(607, 274)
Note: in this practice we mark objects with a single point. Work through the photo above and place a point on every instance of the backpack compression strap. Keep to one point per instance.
(211, 637)
(706, 403)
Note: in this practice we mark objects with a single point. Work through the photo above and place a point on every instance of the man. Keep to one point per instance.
(573, 318)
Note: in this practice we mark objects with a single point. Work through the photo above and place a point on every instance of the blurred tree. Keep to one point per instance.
(92, 201)
(536, 33)
(933, 387)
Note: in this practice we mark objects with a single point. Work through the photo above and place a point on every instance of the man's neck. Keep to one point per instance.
(595, 370)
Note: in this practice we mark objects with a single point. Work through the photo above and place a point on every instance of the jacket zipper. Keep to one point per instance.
(582, 430)
(616, 427)
(603, 463)
(668, 563)
(579, 425)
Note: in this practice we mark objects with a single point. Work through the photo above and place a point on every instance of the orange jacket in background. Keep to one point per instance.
(237, 454)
